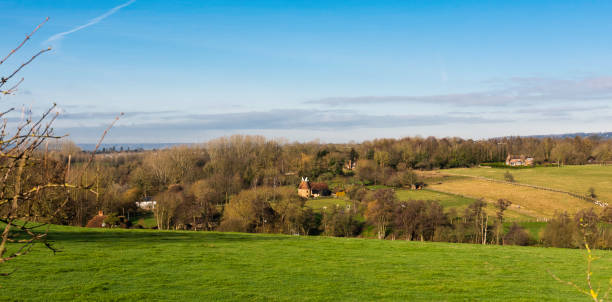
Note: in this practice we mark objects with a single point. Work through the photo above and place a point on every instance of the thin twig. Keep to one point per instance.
(6, 79)
(24, 40)
(93, 153)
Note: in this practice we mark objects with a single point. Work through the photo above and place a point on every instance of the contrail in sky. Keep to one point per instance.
(91, 22)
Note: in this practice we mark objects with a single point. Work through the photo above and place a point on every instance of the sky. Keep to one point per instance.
(337, 71)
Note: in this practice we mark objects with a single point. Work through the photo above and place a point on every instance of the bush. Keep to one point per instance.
(606, 215)
(111, 220)
(394, 181)
(249, 211)
(516, 236)
(340, 222)
(508, 176)
(591, 193)
(587, 227)
(358, 193)
(559, 231)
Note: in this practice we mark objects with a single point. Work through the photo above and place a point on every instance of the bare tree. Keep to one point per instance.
(502, 205)
(380, 211)
(20, 159)
(17, 147)
(476, 215)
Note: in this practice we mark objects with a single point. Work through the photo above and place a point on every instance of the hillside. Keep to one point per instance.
(528, 203)
(102, 264)
(575, 179)
(604, 135)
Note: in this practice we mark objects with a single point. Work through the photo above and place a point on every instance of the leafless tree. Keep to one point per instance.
(501, 205)
(17, 147)
(20, 158)
(380, 211)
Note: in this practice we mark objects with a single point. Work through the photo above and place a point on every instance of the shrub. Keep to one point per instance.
(591, 193)
(516, 236)
(508, 177)
(559, 231)
(587, 228)
(249, 211)
(606, 215)
(340, 222)
(111, 220)
(357, 193)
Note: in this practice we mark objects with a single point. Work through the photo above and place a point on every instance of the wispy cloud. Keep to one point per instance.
(194, 126)
(109, 115)
(275, 119)
(514, 91)
(561, 111)
(90, 23)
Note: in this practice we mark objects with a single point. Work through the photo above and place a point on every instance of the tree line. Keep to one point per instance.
(206, 186)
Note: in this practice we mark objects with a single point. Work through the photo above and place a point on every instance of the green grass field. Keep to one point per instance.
(328, 202)
(131, 265)
(146, 220)
(533, 228)
(445, 199)
(575, 179)
(458, 202)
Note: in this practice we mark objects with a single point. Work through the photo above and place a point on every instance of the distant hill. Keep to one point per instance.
(130, 146)
(606, 135)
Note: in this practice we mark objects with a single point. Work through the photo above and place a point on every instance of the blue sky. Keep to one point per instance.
(188, 71)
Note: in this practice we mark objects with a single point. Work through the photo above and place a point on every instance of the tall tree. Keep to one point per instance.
(502, 205)
(380, 211)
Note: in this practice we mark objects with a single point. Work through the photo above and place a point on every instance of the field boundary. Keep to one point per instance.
(600, 203)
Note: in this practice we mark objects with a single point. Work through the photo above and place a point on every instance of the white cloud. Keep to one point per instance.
(515, 91)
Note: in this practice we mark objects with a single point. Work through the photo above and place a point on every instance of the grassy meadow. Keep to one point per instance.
(575, 179)
(450, 200)
(528, 203)
(319, 204)
(131, 265)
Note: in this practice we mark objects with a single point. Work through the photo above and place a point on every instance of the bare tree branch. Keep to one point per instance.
(4, 80)
(24, 41)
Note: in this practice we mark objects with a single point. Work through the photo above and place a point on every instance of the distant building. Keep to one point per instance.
(307, 189)
(304, 188)
(318, 189)
(519, 160)
(147, 204)
(350, 165)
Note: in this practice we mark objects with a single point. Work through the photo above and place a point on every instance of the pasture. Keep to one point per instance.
(129, 265)
(321, 203)
(527, 202)
(450, 200)
(531, 203)
(575, 179)
(445, 199)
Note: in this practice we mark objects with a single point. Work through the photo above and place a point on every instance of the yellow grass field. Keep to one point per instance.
(526, 201)
(575, 179)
